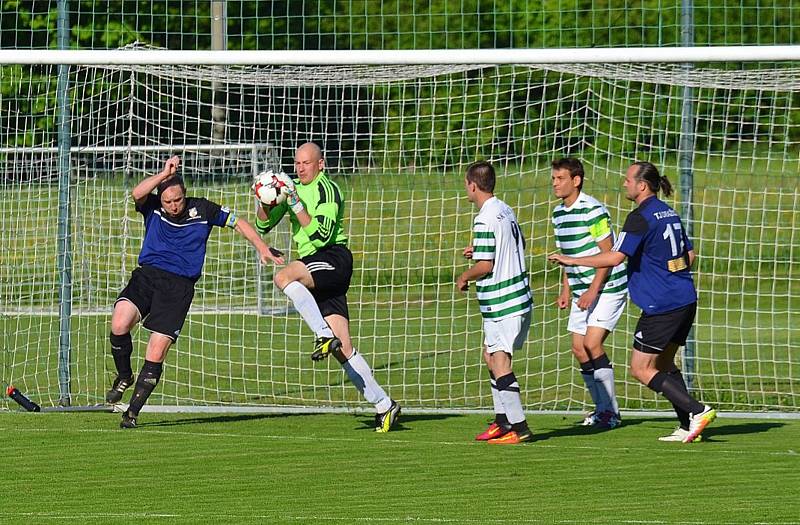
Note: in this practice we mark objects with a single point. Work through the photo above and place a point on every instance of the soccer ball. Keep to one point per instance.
(269, 188)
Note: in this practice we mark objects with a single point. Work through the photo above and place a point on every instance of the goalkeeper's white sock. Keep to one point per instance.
(508, 387)
(305, 304)
(361, 376)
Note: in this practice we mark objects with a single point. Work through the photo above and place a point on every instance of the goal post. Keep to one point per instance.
(398, 129)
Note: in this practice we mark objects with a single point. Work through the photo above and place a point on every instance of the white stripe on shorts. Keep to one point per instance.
(319, 266)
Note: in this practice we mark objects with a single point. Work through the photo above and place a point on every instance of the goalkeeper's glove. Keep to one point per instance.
(292, 199)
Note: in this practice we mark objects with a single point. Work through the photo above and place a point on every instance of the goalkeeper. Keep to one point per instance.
(160, 291)
(317, 283)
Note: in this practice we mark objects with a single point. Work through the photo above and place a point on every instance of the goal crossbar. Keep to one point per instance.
(395, 57)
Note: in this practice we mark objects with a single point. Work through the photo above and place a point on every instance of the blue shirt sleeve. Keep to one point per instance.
(150, 204)
(220, 215)
(632, 234)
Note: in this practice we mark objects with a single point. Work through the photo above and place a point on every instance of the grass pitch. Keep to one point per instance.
(271, 468)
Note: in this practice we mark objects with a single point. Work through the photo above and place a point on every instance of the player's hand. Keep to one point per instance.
(586, 300)
(560, 259)
(462, 284)
(268, 254)
(563, 299)
(288, 184)
(468, 251)
(171, 167)
(290, 190)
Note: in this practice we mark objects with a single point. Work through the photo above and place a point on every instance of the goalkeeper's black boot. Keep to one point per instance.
(324, 346)
(128, 421)
(120, 385)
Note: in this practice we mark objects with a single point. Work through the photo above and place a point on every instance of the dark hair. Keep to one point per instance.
(573, 166)
(172, 181)
(482, 174)
(649, 173)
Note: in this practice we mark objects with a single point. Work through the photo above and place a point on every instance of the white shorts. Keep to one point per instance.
(506, 335)
(605, 312)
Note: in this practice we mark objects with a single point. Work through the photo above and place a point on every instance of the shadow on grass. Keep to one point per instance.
(399, 425)
(202, 420)
(719, 429)
(574, 428)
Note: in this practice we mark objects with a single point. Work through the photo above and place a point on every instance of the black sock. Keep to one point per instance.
(602, 362)
(683, 416)
(520, 427)
(121, 350)
(145, 384)
(587, 369)
(670, 388)
(501, 420)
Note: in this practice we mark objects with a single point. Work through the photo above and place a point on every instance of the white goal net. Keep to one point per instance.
(397, 140)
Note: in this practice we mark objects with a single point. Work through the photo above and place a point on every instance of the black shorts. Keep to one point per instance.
(331, 269)
(654, 332)
(162, 298)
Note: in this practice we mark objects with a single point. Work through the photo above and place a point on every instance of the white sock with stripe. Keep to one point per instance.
(361, 376)
(594, 390)
(604, 379)
(498, 403)
(307, 307)
(508, 388)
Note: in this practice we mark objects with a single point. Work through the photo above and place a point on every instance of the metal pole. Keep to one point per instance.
(686, 164)
(64, 227)
(219, 42)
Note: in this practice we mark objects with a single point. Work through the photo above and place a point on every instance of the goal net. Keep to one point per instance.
(397, 140)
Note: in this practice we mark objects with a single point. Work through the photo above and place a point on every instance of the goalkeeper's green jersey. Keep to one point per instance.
(323, 200)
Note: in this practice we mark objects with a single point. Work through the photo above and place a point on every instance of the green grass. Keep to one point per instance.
(235, 468)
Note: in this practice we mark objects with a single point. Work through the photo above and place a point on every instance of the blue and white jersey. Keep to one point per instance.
(653, 238)
(178, 244)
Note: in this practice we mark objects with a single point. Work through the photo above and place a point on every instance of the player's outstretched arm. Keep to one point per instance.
(601, 260)
(145, 187)
(246, 230)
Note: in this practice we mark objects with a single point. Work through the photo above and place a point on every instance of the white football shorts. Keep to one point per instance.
(506, 335)
(605, 312)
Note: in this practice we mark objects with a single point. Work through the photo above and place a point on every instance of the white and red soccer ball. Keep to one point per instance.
(270, 187)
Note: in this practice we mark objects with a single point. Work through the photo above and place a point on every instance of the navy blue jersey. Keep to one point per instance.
(653, 238)
(178, 244)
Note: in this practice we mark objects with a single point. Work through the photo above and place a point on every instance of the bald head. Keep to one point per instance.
(308, 162)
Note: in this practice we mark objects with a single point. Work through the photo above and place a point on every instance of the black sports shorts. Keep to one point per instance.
(163, 299)
(331, 269)
(655, 331)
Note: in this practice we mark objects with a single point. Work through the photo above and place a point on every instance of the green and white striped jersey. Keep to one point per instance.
(578, 230)
(503, 292)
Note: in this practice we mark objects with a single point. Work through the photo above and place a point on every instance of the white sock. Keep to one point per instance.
(592, 387)
(361, 376)
(509, 395)
(305, 304)
(604, 379)
(498, 403)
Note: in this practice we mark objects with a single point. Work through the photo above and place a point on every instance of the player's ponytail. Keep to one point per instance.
(649, 174)
(666, 187)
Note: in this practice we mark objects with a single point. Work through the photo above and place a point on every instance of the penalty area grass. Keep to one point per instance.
(333, 468)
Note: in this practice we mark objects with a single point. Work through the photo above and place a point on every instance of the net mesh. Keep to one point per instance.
(397, 140)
